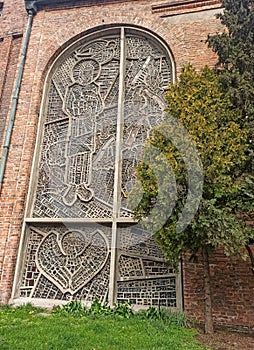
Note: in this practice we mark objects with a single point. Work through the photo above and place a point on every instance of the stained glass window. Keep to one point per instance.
(103, 95)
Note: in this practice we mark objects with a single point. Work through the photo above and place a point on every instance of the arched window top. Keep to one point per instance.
(83, 43)
(104, 93)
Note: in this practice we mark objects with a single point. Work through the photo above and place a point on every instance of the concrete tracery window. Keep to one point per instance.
(102, 97)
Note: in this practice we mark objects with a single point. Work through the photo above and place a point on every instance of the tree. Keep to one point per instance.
(198, 105)
(235, 68)
(235, 65)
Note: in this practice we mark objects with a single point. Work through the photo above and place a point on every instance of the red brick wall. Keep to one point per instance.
(9, 55)
(12, 22)
(52, 30)
(13, 17)
(232, 283)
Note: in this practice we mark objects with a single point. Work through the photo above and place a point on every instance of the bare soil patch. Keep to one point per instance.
(225, 340)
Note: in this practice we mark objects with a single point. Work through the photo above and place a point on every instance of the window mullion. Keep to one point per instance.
(118, 170)
(119, 131)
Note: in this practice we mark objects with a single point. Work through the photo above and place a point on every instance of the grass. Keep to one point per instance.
(26, 328)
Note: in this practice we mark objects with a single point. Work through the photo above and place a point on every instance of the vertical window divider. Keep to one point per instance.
(118, 171)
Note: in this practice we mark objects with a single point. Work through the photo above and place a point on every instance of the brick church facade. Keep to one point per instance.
(63, 234)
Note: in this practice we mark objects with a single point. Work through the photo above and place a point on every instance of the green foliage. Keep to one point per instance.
(75, 308)
(22, 309)
(166, 315)
(98, 308)
(200, 105)
(123, 310)
(235, 50)
(21, 330)
(5, 308)
(120, 311)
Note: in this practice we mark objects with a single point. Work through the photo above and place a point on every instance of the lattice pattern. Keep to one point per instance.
(130, 267)
(31, 271)
(156, 268)
(62, 261)
(140, 261)
(78, 170)
(97, 288)
(79, 136)
(148, 73)
(148, 292)
(135, 241)
(80, 128)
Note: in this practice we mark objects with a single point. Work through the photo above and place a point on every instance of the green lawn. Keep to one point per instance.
(21, 329)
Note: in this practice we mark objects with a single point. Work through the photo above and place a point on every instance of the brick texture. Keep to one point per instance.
(232, 283)
(53, 30)
(9, 55)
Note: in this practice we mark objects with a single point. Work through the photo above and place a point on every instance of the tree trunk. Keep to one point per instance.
(207, 290)
(251, 257)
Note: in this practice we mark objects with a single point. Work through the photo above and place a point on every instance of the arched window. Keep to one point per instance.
(102, 96)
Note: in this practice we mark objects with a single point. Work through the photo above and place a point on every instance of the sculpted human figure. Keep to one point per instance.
(82, 104)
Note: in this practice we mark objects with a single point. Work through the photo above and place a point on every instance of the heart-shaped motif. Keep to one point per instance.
(72, 260)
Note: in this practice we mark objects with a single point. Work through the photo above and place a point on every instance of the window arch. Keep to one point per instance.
(103, 95)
